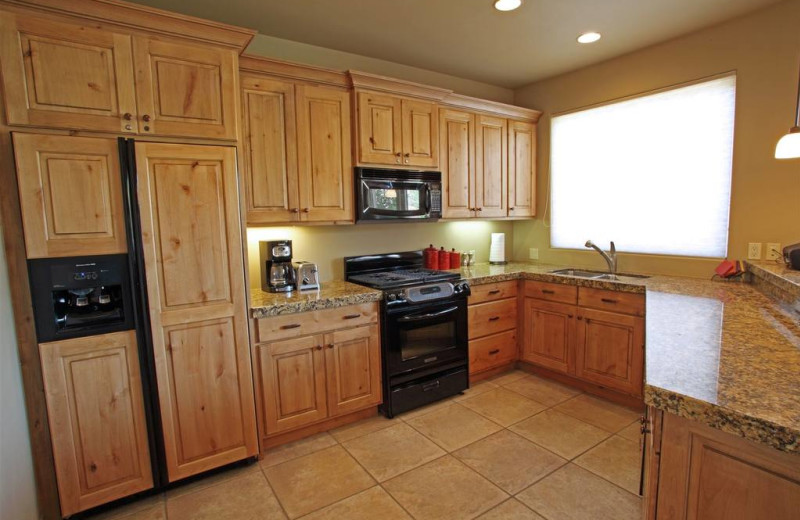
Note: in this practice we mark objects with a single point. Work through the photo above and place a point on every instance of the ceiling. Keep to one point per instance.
(469, 38)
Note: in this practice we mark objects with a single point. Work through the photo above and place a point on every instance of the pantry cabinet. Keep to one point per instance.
(80, 76)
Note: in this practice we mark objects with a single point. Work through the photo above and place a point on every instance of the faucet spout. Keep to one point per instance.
(610, 257)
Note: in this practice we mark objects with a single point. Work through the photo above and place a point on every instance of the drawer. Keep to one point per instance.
(612, 301)
(554, 292)
(492, 351)
(492, 317)
(493, 291)
(429, 390)
(313, 322)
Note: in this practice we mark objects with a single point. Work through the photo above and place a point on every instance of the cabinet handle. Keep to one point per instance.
(493, 352)
(330, 345)
(430, 386)
(548, 291)
(318, 347)
(510, 209)
(644, 429)
(588, 320)
(608, 300)
(145, 118)
(569, 315)
(306, 210)
(494, 318)
(127, 116)
(580, 317)
(478, 209)
(351, 316)
(407, 154)
(494, 291)
(290, 326)
(295, 210)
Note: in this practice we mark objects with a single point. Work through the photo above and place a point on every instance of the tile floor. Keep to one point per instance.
(515, 447)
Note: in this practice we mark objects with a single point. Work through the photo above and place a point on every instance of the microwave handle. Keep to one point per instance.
(428, 200)
(420, 317)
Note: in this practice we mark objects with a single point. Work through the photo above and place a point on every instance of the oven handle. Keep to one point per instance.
(420, 317)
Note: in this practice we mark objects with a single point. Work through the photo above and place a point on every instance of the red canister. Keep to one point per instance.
(455, 259)
(444, 259)
(430, 257)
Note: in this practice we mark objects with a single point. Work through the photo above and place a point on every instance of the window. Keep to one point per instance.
(651, 173)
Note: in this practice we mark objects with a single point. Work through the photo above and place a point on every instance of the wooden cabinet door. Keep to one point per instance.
(549, 330)
(70, 194)
(491, 166)
(353, 367)
(66, 75)
(192, 244)
(420, 128)
(324, 154)
(457, 136)
(293, 383)
(270, 150)
(186, 90)
(521, 169)
(96, 412)
(610, 350)
(379, 129)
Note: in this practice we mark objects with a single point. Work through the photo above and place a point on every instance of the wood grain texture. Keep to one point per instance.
(457, 146)
(420, 133)
(493, 291)
(378, 83)
(555, 292)
(549, 334)
(197, 304)
(70, 194)
(491, 166)
(353, 369)
(491, 317)
(293, 71)
(492, 351)
(521, 169)
(495, 108)
(380, 129)
(613, 301)
(315, 322)
(96, 413)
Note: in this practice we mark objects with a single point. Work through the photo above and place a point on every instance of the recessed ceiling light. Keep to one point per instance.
(589, 37)
(507, 5)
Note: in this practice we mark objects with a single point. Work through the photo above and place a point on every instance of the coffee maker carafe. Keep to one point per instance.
(277, 273)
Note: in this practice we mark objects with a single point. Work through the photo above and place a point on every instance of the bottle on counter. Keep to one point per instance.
(430, 257)
(444, 259)
(455, 259)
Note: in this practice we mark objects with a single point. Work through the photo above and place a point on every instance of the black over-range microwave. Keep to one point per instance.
(384, 194)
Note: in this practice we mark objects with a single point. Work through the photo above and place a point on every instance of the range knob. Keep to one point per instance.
(391, 297)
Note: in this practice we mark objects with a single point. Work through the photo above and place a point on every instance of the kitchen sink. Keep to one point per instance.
(595, 275)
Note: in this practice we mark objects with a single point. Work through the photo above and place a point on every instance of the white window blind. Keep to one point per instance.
(652, 173)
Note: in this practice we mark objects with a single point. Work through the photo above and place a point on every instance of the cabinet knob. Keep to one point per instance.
(145, 118)
(128, 127)
(406, 161)
(580, 317)
(318, 347)
(127, 116)
(569, 315)
(295, 210)
(306, 210)
(510, 209)
(330, 345)
(478, 209)
(408, 154)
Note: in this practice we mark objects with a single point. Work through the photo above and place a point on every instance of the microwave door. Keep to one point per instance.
(385, 199)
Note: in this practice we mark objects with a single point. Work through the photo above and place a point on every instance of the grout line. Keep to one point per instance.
(277, 499)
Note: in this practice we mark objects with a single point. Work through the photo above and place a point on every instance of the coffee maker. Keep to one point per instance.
(277, 272)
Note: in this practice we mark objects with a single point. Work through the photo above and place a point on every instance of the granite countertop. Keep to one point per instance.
(331, 294)
(722, 353)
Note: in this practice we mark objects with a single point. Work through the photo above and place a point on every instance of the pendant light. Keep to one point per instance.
(789, 145)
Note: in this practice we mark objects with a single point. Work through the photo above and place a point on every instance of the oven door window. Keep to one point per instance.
(426, 335)
(383, 198)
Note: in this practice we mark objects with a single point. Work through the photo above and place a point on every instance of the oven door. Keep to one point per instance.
(426, 335)
(387, 199)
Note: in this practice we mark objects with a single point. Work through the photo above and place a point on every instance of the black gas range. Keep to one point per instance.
(424, 339)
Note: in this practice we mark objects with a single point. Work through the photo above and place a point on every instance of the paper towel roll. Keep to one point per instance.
(497, 249)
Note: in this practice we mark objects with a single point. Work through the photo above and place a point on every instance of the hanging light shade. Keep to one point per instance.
(789, 145)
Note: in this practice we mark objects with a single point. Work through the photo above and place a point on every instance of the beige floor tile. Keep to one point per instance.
(317, 480)
(372, 504)
(503, 406)
(573, 493)
(444, 489)
(293, 450)
(363, 427)
(509, 461)
(245, 498)
(508, 377)
(475, 389)
(632, 432)
(511, 509)
(560, 433)
(454, 427)
(616, 459)
(425, 410)
(543, 390)
(391, 451)
(598, 412)
(212, 480)
(148, 508)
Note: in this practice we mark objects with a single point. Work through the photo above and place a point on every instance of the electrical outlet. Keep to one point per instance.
(754, 251)
(533, 253)
(773, 251)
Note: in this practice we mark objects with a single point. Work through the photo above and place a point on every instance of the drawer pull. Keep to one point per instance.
(494, 318)
(493, 352)
(430, 386)
(548, 291)
(351, 316)
(608, 300)
(494, 291)
(290, 326)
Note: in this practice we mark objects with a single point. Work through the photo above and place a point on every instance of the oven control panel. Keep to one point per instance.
(427, 292)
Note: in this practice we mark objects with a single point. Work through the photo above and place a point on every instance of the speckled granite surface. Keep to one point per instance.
(330, 295)
(721, 353)
(777, 281)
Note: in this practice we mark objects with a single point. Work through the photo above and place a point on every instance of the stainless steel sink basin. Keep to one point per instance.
(595, 275)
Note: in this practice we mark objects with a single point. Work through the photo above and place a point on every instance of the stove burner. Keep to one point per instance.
(402, 278)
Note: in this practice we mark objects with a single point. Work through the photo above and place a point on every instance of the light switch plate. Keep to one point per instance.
(754, 251)
(533, 253)
(773, 251)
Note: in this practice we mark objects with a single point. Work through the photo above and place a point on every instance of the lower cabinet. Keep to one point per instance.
(307, 379)
(96, 412)
(492, 326)
(549, 330)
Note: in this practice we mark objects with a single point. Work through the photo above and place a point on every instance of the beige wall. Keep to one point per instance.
(17, 491)
(328, 245)
(288, 50)
(764, 50)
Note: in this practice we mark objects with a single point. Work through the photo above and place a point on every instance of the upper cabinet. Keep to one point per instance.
(457, 134)
(491, 166)
(84, 76)
(521, 169)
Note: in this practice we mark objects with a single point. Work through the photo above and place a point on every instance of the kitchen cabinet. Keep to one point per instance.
(566, 332)
(317, 365)
(297, 158)
(195, 284)
(95, 408)
(396, 131)
(70, 195)
(457, 134)
(521, 169)
(492, 318)
(85, 77)
(699, 472)
(491, 166)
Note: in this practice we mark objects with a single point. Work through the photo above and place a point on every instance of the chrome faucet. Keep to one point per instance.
(610, 257)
